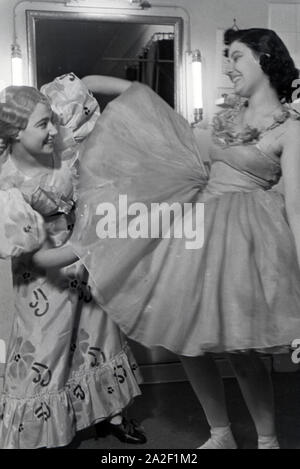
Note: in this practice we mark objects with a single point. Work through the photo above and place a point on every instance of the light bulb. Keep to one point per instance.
(16, 65)
(197, 85)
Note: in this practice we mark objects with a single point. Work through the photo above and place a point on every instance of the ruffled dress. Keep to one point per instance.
(239, 289)
(68, 365)
(21, 231)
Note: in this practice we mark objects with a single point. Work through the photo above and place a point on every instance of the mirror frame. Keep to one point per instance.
(33, 16)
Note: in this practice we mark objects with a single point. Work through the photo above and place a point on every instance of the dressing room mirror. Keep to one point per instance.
(138, 48)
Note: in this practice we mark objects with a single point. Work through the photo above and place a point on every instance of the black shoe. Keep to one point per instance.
(127, 431)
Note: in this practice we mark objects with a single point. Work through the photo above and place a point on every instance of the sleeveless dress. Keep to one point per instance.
(68, 364)
(241, 289)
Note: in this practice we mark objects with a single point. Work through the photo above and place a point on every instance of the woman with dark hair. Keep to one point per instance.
(273, 56)
(239, 292)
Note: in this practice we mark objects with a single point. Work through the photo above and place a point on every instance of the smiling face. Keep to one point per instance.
(37, 138)
(245, 70)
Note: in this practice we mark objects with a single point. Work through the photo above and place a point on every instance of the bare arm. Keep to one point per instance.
(290, 163)
(106, 85)
(55, 258)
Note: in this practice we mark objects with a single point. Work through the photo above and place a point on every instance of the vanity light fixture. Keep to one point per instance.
(197, 85)
(16, 64)
(17, 78)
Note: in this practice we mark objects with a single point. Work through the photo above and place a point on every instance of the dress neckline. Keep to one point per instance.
(224, 126)
(35, 175)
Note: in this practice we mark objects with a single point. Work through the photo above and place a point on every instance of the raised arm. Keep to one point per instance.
(290, 163)
(55, 258)
(106, 85)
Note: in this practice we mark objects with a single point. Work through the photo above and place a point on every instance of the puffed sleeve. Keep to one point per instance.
(21, 228)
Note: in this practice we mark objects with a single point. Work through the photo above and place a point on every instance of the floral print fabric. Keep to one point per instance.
(68, 365)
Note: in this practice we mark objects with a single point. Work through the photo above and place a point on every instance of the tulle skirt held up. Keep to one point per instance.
(239, 291)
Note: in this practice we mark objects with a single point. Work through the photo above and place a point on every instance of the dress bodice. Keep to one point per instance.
(52, 194)
(49, 193)
(245, 161)
(242, 168)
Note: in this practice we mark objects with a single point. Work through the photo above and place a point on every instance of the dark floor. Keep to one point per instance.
(172, 417)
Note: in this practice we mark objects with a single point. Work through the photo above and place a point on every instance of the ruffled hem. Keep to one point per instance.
(51, 419)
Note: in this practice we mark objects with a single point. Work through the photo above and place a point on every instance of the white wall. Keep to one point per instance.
(285, 20)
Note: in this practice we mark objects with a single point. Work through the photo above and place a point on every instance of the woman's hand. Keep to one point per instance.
(55, 258)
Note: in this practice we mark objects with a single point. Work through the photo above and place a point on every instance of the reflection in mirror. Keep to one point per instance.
(135, 48)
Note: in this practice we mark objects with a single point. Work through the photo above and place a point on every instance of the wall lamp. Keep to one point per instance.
(197, 85)
(16, 64)
(16, 54)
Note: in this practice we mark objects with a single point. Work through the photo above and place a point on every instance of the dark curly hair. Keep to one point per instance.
(274, 58)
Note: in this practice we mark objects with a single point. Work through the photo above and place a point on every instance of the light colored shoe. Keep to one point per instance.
(268, 442)
(221, 438)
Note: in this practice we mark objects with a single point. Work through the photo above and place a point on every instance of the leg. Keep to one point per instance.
(207, 383)
(256, 386)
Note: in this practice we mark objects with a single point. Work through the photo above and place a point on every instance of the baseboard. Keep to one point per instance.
(174, 372)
